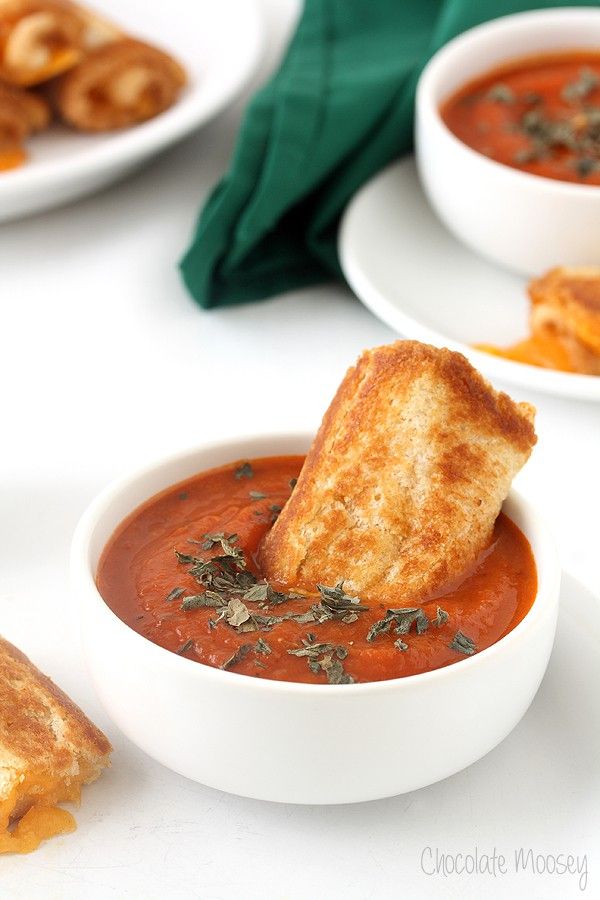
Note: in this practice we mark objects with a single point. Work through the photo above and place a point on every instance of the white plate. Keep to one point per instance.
(408, 269)
(218, 43)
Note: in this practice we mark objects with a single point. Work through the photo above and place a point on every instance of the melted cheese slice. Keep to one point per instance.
(12, 159)
(58, 61)
(545, 352)
(38, 824)
(29, 815)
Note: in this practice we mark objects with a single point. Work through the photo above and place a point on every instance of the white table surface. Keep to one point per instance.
(106, 363)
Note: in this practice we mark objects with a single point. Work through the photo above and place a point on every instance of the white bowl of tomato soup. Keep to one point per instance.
(508, 138)
(295, 717)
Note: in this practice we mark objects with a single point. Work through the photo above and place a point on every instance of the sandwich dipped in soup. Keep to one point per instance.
(384, 553)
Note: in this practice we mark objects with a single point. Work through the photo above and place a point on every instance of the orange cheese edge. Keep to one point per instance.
(12, 159)
(545, 352)
(34, 799)
(60, 61)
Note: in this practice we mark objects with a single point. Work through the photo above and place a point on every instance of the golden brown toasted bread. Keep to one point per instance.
(48, 750)
(118, 84)
(39, 39)
(30, 112)
(403, 483)
(566, 307)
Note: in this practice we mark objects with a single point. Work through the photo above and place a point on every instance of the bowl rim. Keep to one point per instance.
(82, 578)
(427, 106)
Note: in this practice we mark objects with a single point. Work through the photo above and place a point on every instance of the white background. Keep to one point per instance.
(105, 364)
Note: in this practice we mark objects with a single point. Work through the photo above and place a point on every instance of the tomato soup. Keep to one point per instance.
(539, 114)
(183, 570)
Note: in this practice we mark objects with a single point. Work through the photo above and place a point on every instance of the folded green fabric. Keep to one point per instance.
(339, 108)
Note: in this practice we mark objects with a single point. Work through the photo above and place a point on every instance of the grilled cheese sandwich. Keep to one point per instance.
(48, 750)
(565, 308)
(403, 483)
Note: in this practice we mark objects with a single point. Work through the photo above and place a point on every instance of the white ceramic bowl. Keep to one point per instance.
(302, 743)
(522, 221)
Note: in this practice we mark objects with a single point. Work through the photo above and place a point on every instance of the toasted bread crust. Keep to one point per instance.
(406, 476)
(41, 729)
(107, 66)
(566, 301)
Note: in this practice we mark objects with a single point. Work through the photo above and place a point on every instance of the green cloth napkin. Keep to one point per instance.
(338, 109)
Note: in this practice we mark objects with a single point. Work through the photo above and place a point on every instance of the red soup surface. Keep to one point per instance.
(540, 114)
(159, 570)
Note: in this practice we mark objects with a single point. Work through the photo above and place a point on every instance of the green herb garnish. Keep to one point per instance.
(500, 93)
(174, 594)
(226, 542)
(526, 156)
(380, 627)
(240, 654)
(244, 471)
(199, 601)
(312, 651)
(258, 593)
(228, 586)
(256, 495)
(421, 621)
(441, 617)
(261, 646)
(185, 647)
(237, 612)
(334, 671)
(584, 166)
(325, 658)
(578, 90)
(226, 571)
(546, 133)
(532, 98)
(578, 134)
(337, 601)
(463, 644)
(402, 619)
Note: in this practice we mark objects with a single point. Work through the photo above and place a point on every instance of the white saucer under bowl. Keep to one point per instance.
(416, 277)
